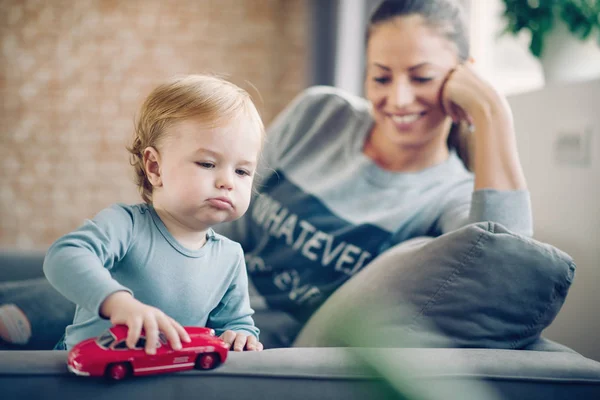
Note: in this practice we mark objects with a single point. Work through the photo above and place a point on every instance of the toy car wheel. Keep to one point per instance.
(208, 361)
(118, 371)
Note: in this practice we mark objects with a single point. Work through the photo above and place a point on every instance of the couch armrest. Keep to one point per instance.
(318, 373)
(21, 264)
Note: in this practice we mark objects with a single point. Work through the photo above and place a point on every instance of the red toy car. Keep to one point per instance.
(108, 354)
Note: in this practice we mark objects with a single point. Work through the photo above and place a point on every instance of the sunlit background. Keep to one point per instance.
(72, 74)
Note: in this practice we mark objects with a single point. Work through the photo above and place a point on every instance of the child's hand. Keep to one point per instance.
(240, 341)
(122, 308)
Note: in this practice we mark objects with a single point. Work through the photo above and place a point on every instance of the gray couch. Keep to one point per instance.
(541, 370)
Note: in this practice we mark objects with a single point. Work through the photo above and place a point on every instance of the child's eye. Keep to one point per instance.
(382, 80)
(204, 164)
(242, 172)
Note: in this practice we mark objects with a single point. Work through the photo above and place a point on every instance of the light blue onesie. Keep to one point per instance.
(129, 248)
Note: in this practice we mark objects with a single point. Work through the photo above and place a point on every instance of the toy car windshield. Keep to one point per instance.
(141, 343)
(105, 339)
(162, 339)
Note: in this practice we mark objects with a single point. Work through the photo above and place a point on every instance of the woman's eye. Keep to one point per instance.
(382, 80)
(205, 164)
(421, 79)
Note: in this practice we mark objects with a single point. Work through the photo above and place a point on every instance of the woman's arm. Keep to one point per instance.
(496, 165)
(463, 206)
(500, 191)
(496, 161)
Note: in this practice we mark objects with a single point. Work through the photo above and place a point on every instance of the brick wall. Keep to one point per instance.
(73, 73)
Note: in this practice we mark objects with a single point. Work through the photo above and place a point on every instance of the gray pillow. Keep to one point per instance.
(479, 286)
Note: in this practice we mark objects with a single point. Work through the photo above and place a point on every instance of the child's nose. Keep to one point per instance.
(225, 181)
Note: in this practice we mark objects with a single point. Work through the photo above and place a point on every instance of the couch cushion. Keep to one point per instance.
(479, 286)
(18, 264)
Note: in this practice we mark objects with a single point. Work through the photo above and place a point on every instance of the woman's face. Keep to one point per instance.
(407, 63)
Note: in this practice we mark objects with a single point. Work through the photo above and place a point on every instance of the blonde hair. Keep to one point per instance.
(211, 98)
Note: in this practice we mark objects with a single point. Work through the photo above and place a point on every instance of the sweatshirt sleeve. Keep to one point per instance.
(510, 208)
(234, 311)
(78, 264)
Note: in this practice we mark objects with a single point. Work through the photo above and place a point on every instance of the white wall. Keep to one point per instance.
(349, 57)
(566, 196)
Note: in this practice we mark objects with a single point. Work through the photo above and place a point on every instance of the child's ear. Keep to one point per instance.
(152, 166)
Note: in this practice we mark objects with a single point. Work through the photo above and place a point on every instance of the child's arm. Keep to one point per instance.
(232, 318)
(78, 265)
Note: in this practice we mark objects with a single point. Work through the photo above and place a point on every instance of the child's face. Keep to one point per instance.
(206, 172)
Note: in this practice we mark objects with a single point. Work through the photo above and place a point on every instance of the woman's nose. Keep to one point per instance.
(403, 94)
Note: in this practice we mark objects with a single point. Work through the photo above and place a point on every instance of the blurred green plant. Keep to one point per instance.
(582, 18)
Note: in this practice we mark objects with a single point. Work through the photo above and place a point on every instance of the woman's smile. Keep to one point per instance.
(404, 122)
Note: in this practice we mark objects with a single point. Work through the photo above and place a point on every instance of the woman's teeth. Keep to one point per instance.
(405, 119)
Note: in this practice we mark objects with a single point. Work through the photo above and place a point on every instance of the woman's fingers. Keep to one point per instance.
(444, 96)
(451, 88)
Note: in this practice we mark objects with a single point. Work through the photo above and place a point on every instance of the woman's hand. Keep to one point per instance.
(122, 308)
(466, 96)
(239, 341)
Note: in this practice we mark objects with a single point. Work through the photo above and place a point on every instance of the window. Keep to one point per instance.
(122, 345)
(504, 60)
(162, 339)
(141, 343)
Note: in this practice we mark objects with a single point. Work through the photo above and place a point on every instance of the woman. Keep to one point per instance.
(347, 178)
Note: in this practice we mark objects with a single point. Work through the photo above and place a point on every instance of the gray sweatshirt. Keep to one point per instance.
(325, 210)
